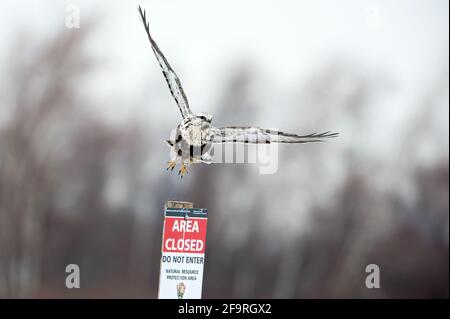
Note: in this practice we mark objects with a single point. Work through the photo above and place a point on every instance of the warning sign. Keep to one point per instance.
(183, 253)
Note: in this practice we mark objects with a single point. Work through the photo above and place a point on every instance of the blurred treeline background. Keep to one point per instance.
(79, 187)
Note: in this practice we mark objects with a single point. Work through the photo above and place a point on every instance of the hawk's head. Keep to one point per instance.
(205, 117)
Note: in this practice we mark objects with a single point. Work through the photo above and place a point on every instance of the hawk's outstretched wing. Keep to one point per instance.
(255, 135)
(171, 77)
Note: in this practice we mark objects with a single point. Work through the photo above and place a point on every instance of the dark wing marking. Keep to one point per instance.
(171, 77)
(255, 135)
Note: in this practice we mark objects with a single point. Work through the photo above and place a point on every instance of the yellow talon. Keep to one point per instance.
(171, 165)
(183, 170)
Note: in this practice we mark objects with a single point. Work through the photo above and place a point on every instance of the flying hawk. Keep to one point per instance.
(195, 134)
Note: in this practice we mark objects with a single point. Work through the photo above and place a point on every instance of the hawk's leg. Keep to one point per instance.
(183, 169)
(171, 165)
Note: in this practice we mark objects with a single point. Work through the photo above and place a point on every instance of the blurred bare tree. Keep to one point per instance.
(42, 109)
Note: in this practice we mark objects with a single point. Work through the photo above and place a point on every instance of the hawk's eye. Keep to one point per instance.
(202, 117)
(180, 152)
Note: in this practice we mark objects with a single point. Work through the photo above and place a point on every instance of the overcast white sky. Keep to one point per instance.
(409, 38)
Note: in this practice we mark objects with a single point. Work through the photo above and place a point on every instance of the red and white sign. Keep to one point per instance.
(183, 254)
(184, 235)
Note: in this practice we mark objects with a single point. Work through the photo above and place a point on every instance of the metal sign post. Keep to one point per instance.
(183, 251)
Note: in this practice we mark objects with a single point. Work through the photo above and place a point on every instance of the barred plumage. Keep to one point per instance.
(195, 134)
